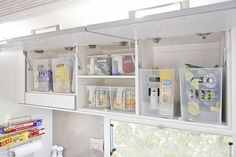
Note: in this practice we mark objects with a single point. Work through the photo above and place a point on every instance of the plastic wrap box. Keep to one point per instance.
(157, 92)
(115, 98)
(123, 64)
(99, 65)
(42, 75)
(201, 94)
(63, 69)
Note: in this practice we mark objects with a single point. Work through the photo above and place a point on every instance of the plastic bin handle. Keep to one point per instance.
(46, 29)
(183, 4)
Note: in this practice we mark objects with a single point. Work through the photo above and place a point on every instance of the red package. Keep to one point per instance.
(36, 132)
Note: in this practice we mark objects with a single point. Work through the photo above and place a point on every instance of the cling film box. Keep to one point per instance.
(201, 94)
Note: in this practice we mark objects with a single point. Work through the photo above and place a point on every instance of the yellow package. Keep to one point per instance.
(6, 141)
(166, 92)
(62, 78)
(20, 137)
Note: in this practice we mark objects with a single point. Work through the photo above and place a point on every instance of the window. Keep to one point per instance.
(136, 140)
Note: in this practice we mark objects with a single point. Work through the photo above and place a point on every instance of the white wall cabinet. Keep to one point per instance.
(179, 43)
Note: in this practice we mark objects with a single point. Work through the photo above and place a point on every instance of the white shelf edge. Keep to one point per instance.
(159, 122)
(52, 93)
(107, 77)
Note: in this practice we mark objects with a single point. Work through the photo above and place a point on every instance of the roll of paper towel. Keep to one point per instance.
(27, 149)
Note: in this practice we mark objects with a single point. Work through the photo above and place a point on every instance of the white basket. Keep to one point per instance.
(201, 94)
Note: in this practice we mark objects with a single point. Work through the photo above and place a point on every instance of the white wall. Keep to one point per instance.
(73, 131)
(8, 100)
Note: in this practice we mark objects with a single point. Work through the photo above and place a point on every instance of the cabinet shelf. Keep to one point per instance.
(106, 77)
(160, 122)
(52, 93)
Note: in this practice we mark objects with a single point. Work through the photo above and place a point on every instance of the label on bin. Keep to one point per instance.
(166, 82)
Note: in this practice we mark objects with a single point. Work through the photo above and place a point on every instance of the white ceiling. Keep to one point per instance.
(9, 7)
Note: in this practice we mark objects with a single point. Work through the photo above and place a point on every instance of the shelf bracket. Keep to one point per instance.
(109, 35)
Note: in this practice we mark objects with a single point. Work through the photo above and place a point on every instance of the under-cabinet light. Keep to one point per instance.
(157, 10)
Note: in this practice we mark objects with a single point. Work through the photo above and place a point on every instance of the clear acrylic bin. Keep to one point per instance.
(157, 92)
(98, 97)
(122, 98)
(42, 75)
(99, 65)
(201, 94)
(115, 98)
(63, 69)
(123, 64)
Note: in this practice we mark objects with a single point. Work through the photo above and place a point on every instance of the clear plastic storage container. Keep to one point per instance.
(115, 98)
(157, 92)
(201, 94)
(123, 64)
(99, 65)
(63, 69)
(42, 75)
(122, 98)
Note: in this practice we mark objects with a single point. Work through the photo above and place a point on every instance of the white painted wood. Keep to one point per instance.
(233, 77)
(21, 77)
(106, 77)
(107, 137)
(183, 22)
(169, 123)
(227, 57)
(51, 100)
(137, 88)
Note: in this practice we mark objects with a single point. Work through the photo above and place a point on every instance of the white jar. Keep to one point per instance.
(60, 151)
(54, 150)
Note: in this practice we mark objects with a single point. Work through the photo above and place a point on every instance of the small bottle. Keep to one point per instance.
(54, 150)
(60, 151)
